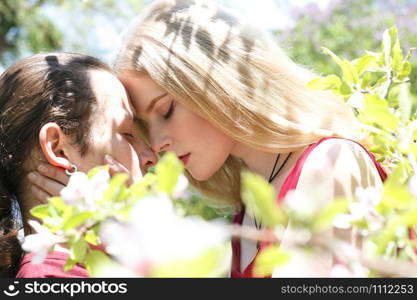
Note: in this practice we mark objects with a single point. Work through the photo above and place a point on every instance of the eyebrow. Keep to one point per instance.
(153, 102)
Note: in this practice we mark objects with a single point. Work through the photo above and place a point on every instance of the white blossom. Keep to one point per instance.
(412, 185)
(83, 191)
(40, 243)
(340, 271)
(99, 184)
(364, 208)
(303, 206)
(343, 221)
(356, 100)
(77, 189)
(181, 187)
(156, 235)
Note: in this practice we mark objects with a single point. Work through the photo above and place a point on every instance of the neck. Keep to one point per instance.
(262, 162)
(28, 201)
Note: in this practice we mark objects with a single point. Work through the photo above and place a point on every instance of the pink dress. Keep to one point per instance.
(51, 267)
(289, 184)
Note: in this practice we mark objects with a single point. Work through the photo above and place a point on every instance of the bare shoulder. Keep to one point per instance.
(339, 166)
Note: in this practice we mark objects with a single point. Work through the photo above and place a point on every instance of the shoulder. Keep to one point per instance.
(340, 166)
(337, 152)
(51, 267)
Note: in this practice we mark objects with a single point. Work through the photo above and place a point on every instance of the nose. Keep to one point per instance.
(147, 159)
(163, 144)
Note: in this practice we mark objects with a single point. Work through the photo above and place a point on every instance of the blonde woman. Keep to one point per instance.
(223, 96)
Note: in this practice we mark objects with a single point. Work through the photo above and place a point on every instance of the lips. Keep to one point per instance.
(184, 158)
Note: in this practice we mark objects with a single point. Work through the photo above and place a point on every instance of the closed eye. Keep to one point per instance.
(168, 114)
(129, 135)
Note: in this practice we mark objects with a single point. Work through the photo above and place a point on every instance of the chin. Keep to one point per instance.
(202, 176)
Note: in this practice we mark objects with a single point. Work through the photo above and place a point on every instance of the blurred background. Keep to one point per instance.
(347, 27)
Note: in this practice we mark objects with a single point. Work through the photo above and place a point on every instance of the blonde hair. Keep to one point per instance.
(233, 75)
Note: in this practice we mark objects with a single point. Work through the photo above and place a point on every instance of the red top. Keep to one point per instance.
(289, 184)
(51, 267)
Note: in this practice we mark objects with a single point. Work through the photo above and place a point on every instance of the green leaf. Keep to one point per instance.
(366, 80)
(91, 236)
(77, 220)
(409, 218)
(413, 147)
(376, 111)
(63, 210)
(410, 250)
(405, 71)
(116, 188)
(95, 170)
(364, 63)
(143, 187)
(397, 55)
(345, 89)
(395, 197)
(268, 259)
(405, 102)
(210, 263)
(40, 211)
(325, 83)
(386, 47)
(379, 58)
(259, 198)
(350, 74)
(58, 203)
(69, 264)
(96, 262)
(78, 250)
(335, 58)
(167, 171)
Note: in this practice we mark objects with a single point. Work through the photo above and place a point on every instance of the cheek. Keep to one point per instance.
(126, 154)
(120, 149)
(211, 149)
(204, 134)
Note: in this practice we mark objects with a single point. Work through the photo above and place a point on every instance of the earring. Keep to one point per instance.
(74, 169)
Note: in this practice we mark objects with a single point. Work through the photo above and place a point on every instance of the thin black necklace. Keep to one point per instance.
(272, 177)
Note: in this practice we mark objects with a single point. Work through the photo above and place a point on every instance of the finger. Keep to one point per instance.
(39, 193)
(116, 167)
(55, 173)
(48, 185)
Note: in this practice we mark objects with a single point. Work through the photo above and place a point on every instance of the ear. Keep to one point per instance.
(55, 145)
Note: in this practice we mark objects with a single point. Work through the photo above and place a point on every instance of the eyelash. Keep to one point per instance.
(170, 111)
(129, 135)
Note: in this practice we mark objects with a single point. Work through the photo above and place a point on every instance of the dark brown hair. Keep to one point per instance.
(34, 91)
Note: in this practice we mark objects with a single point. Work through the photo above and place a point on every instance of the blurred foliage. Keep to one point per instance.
(95, 212)
(23, 26)
(347, 27)
(28, 27)
(377, 86)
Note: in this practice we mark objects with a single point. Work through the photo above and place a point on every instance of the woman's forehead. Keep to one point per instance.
(142, 89)
(109, 93)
